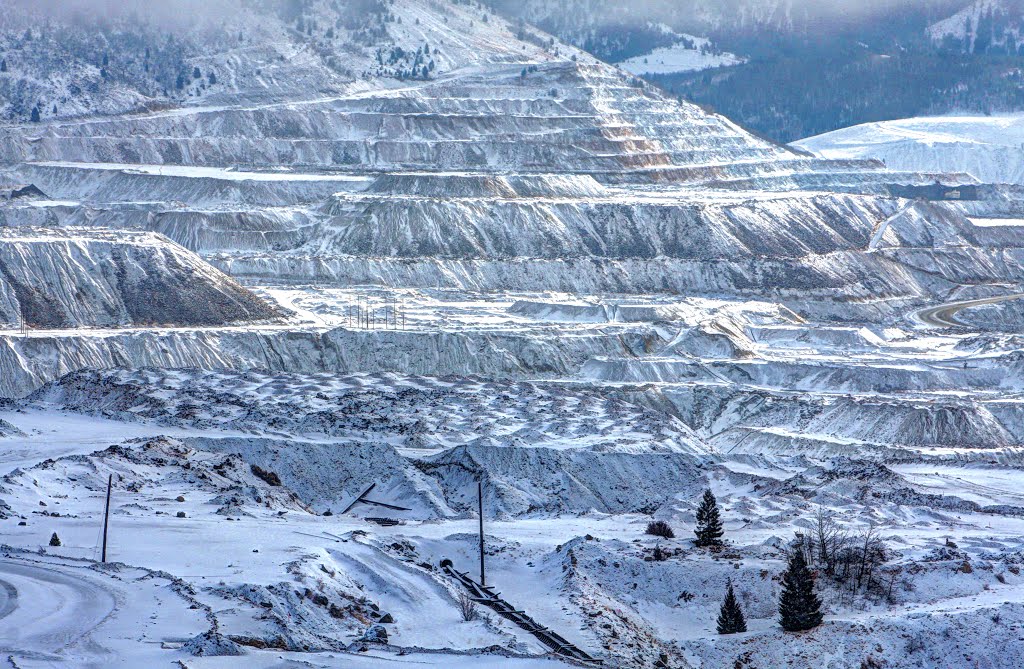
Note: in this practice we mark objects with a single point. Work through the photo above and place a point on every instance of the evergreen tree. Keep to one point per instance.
(799, 607)
(3, 65)
(35, 114)
(196, 72)
(54, 540)
(730, 616)
(709, 522)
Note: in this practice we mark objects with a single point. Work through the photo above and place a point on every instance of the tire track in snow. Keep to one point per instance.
(50, 612)
(944, 315)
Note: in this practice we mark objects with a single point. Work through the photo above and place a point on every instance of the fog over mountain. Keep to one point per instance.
(171, 13)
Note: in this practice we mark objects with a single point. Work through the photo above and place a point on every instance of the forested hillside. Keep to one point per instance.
(811, 67)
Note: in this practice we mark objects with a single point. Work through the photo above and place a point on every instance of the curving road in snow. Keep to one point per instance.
(944, 315)
(48, 615)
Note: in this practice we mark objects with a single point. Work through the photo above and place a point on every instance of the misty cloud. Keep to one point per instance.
(170, 13)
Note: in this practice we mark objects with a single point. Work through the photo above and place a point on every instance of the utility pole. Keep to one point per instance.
(480, 503)
(106, 518)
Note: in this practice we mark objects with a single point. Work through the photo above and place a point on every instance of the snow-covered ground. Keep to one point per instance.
(990, 148)
(896, 429)
(521, 268)
(685, 56)
(274, 568)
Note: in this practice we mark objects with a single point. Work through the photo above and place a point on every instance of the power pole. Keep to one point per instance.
(480, 502)
(106, 518)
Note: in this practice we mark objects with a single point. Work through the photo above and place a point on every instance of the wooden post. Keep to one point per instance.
(480, 502)
(106, 518)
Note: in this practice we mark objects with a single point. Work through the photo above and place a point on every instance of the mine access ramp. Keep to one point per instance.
(485, 595)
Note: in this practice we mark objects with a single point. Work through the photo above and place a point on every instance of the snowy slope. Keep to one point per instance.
(72, 278)
(276, 573)
(990, 148)
(983, 25)
(692, 53)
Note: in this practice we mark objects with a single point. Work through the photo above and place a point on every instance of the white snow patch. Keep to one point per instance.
(685, 56)
(989, 148)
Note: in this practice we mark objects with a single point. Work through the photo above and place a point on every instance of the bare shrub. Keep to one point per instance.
(855, 563)
(870, 662)
(467, 607)
(915, 644)
(660, 528)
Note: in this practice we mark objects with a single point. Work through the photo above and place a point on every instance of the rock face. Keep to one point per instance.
(58, 279)
(453, 153)
(375, 634)
(513, 164)
(212, 644)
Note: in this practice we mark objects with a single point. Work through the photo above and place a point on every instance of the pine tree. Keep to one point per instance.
(730, 617)
(35, 115)
(709, 522)
(54, 540)
(799, 606)
(3, 65)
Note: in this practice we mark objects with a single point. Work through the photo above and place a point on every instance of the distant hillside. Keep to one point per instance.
(986, 26)
(809, 67)
(990, 148)
(118, 62)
